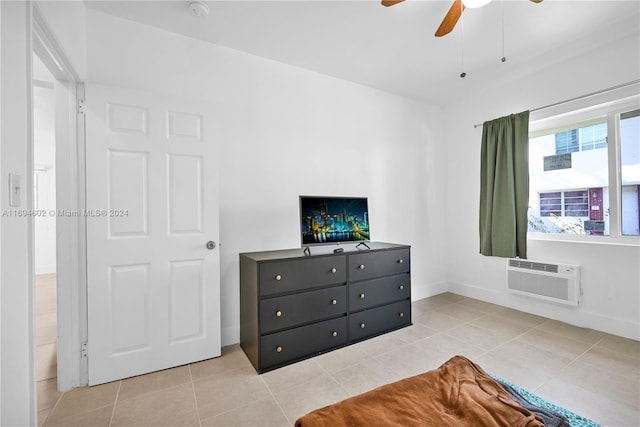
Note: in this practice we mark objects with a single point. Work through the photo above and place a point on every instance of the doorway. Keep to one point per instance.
(58, 253)
(44, 224)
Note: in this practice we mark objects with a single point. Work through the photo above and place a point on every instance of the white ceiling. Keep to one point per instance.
(393, 49)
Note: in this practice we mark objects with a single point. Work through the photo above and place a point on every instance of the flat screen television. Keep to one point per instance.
(333, 220)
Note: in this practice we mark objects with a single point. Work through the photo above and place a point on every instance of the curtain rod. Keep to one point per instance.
(633, 82)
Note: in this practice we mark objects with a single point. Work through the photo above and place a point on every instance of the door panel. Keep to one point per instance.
(152, 204)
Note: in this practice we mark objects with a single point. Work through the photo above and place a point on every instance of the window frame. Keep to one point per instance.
(612, 105)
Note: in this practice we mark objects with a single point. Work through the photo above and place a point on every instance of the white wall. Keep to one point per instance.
(284, 131)
(17, 373)
(610, 274)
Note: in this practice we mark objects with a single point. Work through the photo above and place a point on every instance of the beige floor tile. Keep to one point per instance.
(520, 318)
(175, 406)
(317, 393)
(133, 387)
(293, 375)
(589, 403)
(461, 312)
(99, 417)
(227, 391)
(384, 343)
(417, 331)
(46, 334)
(83, 399)
(485, 307)
(622, 364)
(527, 377)
(263, 413)
(342, 358)
(503, 324)
(620, 344)
(409, 361)
(48, 393)
(526, 364)
(42, 416)
(448, 346)
(557, 344)
(436, 319)
(621, 388)
(427, 304)
(363, 377)
(232, 358)
(46, 361)
(484, 338)
(585, 335)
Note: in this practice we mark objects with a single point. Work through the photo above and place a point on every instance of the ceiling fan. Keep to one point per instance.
(451, 18)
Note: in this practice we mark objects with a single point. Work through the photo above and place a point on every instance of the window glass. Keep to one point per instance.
(630, 172)
(568, 175)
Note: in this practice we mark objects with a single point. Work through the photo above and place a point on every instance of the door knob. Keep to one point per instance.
(211, 245)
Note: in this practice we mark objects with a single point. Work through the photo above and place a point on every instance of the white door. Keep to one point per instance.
(153, 285)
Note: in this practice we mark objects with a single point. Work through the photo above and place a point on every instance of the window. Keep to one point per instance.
(630, 171)
(579, 184)
(567, 141)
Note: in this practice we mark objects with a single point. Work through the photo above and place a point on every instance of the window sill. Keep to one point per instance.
(593, 240)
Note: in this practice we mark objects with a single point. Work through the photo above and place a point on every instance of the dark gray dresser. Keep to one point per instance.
(294, 306)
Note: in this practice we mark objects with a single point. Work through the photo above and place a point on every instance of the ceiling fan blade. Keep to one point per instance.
(450, 19)
(536, 1)
(388, 3)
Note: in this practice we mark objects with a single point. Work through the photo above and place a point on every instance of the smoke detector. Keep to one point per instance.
(199, 9)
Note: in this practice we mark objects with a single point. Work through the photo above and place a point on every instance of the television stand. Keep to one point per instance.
(307, 251)
(364, 244)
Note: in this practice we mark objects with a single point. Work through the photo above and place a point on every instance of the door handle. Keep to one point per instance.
(211, 245)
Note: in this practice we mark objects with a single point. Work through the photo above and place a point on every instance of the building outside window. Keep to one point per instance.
(570, 169)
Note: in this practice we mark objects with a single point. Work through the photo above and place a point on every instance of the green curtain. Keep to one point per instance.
(504, 186)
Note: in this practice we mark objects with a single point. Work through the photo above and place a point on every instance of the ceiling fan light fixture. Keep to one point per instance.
(475, 3)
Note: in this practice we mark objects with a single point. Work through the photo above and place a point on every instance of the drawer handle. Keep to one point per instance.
(334, 334)
(279, 349)
(400, 261)
(362, 296)
(361, 266)
(278, 313)
(401, 314)
(333, 270)
(334, 301)
(401, 287)
(362, 325)
(278, 277)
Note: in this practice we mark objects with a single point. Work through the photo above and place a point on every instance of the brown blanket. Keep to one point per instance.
(458, 393)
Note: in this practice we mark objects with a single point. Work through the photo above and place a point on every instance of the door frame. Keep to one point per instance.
(70, 195)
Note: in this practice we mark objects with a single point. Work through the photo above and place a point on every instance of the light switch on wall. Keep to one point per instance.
(15, 189)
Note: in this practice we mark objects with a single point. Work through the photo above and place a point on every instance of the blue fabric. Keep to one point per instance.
(573, 419)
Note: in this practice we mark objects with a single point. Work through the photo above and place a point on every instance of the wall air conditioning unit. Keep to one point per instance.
(552, 282)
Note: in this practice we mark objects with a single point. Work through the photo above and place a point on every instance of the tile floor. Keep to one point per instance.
(46, 327)
(592, 373)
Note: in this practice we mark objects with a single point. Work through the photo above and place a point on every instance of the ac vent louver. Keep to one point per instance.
(552, 282)
(529, 265)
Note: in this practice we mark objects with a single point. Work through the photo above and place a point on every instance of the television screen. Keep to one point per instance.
(331, 220)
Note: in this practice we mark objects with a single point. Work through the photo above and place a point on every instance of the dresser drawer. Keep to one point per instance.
(377, 320)
(285, 346)
(374, 264)
(370, 293)
(299, 274)
(286, 311)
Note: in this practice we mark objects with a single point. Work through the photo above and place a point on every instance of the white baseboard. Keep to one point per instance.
(576, 316)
